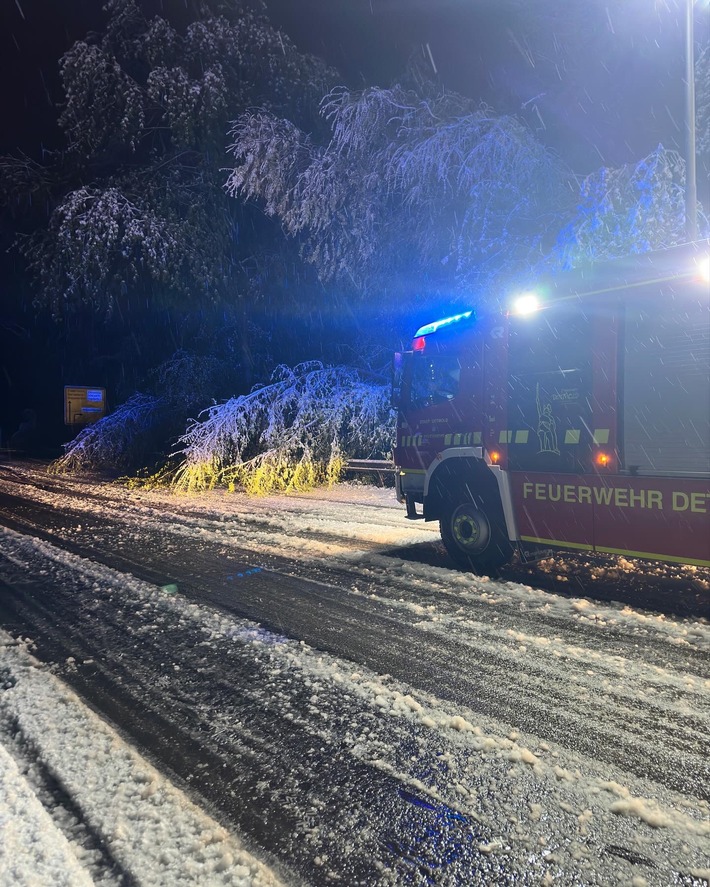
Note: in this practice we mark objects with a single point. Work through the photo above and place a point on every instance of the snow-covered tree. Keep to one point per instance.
(423, 187)
(119, 440)
(139, 210)
(291, 434)
(131, 436)
(702, 107)
(421, 182)
(633, 209)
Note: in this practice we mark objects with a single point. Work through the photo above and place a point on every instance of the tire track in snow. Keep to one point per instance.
(510, 802)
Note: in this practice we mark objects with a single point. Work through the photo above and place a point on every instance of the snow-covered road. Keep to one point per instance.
(311, 673)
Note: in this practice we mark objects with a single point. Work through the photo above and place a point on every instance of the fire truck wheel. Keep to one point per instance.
(474, 538)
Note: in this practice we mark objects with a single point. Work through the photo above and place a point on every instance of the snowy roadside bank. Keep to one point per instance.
(33, 849)
(78, 806)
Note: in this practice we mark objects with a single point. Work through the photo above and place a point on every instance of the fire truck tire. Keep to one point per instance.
(475, 536)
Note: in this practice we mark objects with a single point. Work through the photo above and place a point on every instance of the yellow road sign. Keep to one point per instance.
(83, 405)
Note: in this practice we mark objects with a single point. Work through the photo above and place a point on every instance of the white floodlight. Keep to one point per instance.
(704, 269)
(526, 303)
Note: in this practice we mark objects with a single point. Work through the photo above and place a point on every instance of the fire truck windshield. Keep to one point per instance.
(434, 379)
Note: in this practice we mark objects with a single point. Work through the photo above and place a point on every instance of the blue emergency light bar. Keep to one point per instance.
(430, 328)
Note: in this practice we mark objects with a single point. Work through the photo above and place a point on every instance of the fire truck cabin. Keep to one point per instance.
(579, 420)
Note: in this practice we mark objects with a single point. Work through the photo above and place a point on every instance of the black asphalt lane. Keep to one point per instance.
(650, 585)
(273, 780)
(370, 633)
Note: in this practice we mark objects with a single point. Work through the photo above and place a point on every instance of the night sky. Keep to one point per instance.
(600, 81)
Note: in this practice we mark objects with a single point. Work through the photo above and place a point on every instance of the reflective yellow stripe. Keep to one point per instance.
(695, 562)
(601, 435)
(457, 440)
(581, 545)
(521, 437)
(572, 436)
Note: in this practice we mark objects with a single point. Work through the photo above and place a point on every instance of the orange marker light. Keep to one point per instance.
(495, 457)
(603, 459)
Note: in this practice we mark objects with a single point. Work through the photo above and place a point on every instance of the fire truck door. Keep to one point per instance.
(549, 423)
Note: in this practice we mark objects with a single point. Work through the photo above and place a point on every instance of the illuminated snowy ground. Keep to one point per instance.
(66, 776)
(534, 805)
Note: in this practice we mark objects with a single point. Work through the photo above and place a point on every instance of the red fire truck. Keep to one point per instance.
(579, 419)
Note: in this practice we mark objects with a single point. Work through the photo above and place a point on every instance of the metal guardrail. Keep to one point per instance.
(379, 465)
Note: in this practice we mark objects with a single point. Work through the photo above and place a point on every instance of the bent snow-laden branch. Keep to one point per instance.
(292, 434)
(111, 442)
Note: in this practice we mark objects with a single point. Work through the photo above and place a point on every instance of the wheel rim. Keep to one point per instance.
(470, 529)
